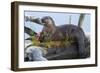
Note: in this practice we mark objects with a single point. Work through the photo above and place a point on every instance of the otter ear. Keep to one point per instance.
(49, 17)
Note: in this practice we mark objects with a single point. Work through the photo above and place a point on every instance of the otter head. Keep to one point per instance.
(48, 21)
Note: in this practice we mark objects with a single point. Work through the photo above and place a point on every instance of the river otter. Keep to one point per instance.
(59, 33)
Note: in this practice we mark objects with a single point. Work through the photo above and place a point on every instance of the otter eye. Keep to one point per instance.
(45, 24)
